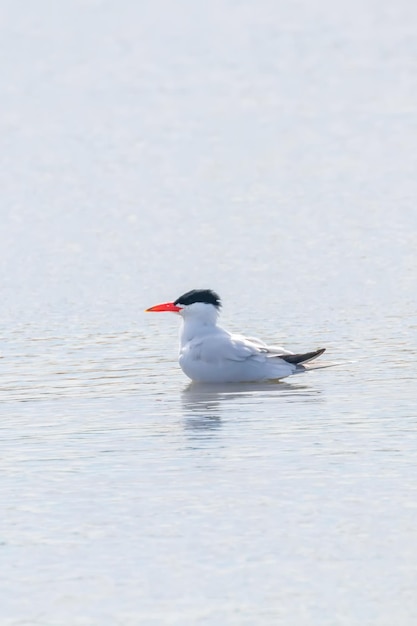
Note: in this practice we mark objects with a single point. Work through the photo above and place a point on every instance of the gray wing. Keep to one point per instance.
(272, 350)
(212, 348)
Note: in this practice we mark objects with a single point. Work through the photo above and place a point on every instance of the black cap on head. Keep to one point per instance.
(199, 295)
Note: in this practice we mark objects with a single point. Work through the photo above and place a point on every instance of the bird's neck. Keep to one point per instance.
(195, 326)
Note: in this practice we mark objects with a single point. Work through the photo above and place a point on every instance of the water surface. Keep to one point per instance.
(265, 151)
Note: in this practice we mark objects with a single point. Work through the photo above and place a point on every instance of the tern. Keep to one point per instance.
(211, 354)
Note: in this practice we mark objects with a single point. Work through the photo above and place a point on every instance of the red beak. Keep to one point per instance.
(167, 306)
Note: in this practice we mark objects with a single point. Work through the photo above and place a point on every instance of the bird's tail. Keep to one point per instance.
(320, 366)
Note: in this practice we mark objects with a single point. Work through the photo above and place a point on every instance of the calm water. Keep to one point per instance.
(262, 149)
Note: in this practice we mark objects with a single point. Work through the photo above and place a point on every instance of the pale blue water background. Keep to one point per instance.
(266, 150)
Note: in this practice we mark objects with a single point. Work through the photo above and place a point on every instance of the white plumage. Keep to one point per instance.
(210, 354)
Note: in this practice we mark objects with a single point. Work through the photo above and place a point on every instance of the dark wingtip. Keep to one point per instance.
(302, 358)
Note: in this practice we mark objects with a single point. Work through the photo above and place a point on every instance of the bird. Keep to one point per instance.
(210, 354)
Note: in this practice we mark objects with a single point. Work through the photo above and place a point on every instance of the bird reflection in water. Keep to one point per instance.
(201, 408)
(204, 404)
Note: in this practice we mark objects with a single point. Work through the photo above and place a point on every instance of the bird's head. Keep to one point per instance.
(194, 303)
